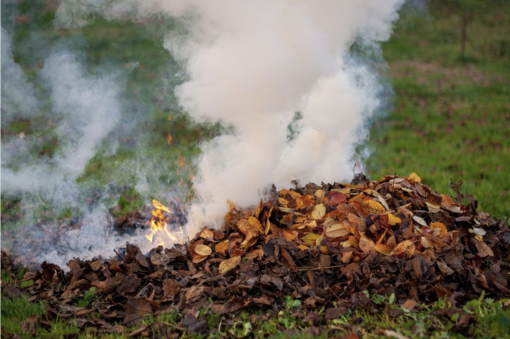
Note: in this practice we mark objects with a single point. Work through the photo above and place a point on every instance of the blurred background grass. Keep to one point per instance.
(450, 116)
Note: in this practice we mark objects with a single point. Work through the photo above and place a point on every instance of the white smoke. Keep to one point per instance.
(252, 65)
(18, 95)
(86, 108)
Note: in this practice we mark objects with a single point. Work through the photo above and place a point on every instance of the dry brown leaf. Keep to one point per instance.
(288, 260)
(199, 258)
(203, 250)
(483, 249)
(336, 230)
(366, 245)
(227, 265)
(446, 200)
(318, 211)
(206, 233)
(392, 242)
(426, 243)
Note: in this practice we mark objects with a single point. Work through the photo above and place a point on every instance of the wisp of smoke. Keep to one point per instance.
(87, 109)
(252, 65)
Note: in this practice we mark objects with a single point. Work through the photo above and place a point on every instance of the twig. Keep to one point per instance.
(319, 268)
(329, 288)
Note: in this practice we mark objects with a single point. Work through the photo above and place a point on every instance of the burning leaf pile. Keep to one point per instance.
(322, 245)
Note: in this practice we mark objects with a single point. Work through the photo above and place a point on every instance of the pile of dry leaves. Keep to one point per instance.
(318, 244)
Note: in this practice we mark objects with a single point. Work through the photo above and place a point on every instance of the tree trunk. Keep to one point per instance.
(465, 17)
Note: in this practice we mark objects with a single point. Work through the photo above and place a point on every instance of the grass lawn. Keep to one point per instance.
(450, 119)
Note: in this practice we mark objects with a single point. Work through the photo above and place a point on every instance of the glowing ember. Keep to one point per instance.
(159, 226)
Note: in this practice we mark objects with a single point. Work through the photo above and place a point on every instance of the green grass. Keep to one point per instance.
(16, 311)
(487, 319)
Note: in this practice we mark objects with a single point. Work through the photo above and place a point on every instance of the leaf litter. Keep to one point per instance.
(325, 246)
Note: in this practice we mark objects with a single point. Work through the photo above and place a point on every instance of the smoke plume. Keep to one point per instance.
(279, 74)
(253, 65)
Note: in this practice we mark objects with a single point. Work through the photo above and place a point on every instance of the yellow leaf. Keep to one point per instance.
(310, 238)
(415, 177)
(318, 211)
(323, 250)
(302, 247)
(229, 264)
(248, 243)
(319, 195)
(393, 220)
(443, 232)
(304, 202)
(203, 250)
(289, 235)
(319, 240)
(222, 247)
(268, 227)
(353, 242)
(383, 249)
(255, 225)
(375, 207)
(295, 195)
(283, 201)
(405, 247)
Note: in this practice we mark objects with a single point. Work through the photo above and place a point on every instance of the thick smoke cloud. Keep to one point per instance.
(252, 65)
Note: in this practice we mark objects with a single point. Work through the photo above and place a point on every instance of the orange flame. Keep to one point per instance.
(159, 225)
